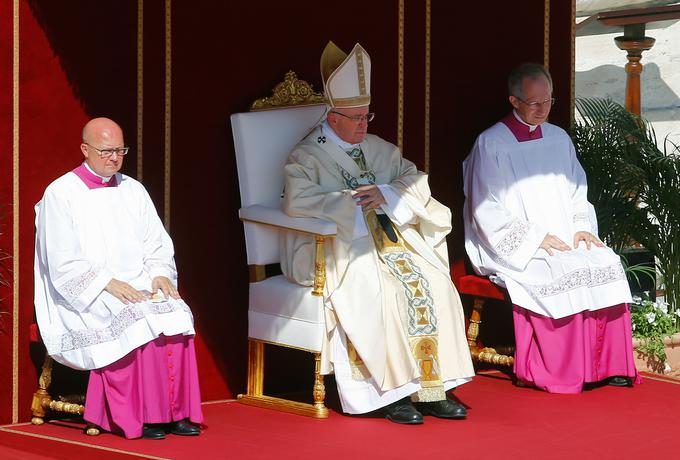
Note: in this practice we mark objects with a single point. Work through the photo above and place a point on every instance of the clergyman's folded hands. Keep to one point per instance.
(551, 242)
(125, 292)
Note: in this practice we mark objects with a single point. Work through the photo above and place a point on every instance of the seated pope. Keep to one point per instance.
(530, 227)
(395, 328)
(106, 295)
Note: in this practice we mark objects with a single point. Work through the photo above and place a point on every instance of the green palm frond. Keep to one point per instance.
(634, 186)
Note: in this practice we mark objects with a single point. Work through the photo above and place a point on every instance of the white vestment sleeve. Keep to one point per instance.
(511, 240)
(77, 280)
(397, 209)
(582, 209)
(159, 251)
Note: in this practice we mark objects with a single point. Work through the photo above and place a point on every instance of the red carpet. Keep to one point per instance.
(504, 422)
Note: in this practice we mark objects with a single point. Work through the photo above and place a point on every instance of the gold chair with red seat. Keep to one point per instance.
(480, 288)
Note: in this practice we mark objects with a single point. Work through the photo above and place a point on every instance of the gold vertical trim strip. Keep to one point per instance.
(428, 47)
(546, 34)
(15, 212)
(168, 110)
(400, 76)
(140, 89)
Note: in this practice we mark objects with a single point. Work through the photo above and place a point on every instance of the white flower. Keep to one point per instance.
(661, 306)
(637, 299)
(677, 312)
(633, 326)
(650, 317)
(646, 293)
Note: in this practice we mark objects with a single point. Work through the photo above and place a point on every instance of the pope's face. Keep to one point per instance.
(536, 102)
(351, 125)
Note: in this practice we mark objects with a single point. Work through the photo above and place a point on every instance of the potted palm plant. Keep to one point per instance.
(635, 188)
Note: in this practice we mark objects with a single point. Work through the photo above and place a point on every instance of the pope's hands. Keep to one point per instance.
(589, 238)
(124, 292)
(370, 196)
(165, 285)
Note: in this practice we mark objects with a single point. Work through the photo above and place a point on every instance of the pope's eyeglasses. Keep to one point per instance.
(535, 105)
(358, 118)
(105, 153)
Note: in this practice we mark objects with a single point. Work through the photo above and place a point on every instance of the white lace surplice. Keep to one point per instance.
(516, 193)
(84, 239)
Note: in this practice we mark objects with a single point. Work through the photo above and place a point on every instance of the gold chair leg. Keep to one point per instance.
(486, 354)
(41, 398)
(473, 326)
(319, 387)
(255, 367)
(255, 396)
(43, 402)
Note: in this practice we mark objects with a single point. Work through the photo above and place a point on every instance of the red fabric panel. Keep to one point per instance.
(480, 287)
(34, 333)
(6, 211)
(50, 121)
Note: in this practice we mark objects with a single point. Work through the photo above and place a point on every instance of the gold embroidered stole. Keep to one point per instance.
(422, 329)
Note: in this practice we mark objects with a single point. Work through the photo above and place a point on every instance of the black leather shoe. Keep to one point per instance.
(404, 412)
(184, 428)
(619, 382)
(442, 409)
(152, 432)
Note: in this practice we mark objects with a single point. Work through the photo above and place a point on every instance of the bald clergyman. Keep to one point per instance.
(106, 295)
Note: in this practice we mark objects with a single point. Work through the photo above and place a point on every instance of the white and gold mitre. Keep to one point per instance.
(346, 78)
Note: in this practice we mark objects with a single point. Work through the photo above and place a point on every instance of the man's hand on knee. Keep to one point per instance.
(165, 285)
(551, 242)
(124, 292)
(589, 238)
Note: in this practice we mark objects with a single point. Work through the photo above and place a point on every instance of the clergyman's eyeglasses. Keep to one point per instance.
(535, 105)
(105, 153)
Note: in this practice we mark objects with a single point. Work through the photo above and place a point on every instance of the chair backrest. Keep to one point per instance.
(262, 141)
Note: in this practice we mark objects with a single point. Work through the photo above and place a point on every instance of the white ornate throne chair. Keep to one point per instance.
(279, 312)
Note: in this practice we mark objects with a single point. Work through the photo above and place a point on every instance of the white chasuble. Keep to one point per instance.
(368, 301)
(518, 192)
(84, 238)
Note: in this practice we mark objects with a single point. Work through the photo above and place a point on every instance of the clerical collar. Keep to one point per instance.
(328, 132)
(532, 128)
(92, 179)
(521, 130)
